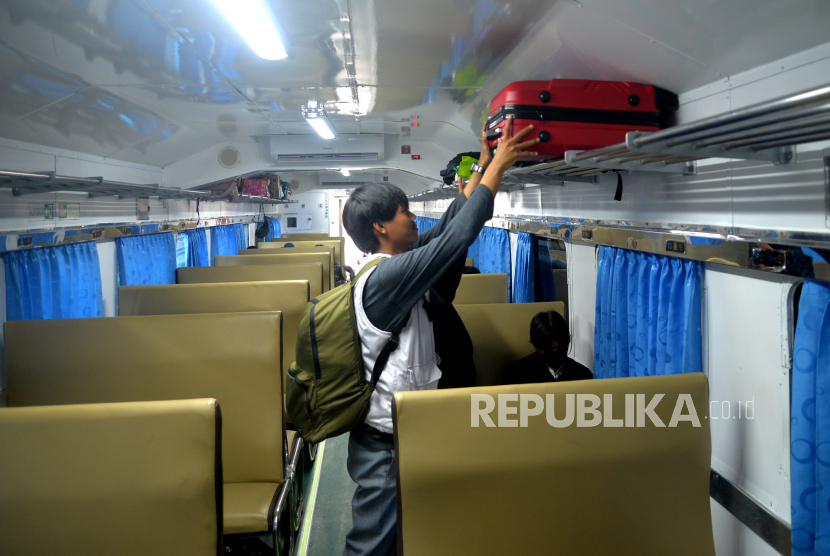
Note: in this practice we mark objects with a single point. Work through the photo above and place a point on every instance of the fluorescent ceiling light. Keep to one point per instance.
(316, 116)
(345, 172)
(256, 22)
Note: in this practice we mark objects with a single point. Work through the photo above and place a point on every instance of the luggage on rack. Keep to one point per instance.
(255, 187)
(578, 114)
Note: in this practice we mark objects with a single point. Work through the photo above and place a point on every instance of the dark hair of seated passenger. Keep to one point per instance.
(547, 327)
(470, 270)
(370, 203)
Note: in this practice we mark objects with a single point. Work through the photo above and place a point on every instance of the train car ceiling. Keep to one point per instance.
(169, 83)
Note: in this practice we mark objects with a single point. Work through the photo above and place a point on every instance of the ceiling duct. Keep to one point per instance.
(310, 148)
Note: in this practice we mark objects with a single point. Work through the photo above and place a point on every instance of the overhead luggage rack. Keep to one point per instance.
(263, 200)
(30, 183)
(767, 131)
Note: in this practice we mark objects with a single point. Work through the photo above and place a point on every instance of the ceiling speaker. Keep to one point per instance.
(229, 157)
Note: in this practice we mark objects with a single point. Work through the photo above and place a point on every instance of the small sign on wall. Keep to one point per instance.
(69, 211)
(39, 212)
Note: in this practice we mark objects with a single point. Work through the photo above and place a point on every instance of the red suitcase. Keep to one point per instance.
(578, 114)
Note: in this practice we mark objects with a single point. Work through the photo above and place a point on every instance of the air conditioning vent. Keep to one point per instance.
(313, 149)
(325, 157)
(343, 183)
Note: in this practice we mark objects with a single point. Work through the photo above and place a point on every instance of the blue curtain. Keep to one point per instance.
(544, 282)
(227, 240)
(54, 283)
(240, 232)
(147, 260)
(274, 229)
(425, 223)
(648, 313)
(810, 426)
(494, 253)
(524, 288)
(197, 248)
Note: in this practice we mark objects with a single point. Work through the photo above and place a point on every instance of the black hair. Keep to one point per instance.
(547, 327)
(370, 203)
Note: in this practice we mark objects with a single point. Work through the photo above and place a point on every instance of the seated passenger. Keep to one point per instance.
(550, 362)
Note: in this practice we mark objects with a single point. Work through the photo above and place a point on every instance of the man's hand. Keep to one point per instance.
(486, 156)
(511, 147)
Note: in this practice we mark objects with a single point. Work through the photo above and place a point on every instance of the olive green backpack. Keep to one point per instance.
(327, 393)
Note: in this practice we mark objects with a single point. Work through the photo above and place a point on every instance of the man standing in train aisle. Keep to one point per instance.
(378, 219)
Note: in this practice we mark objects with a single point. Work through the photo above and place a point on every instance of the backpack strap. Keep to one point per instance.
(390, 347)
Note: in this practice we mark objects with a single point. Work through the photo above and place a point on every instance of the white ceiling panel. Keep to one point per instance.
(96, 122)
(729, 37)
(166, 147)
(194, 103)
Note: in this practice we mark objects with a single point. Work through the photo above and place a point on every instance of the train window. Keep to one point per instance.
(551, 271)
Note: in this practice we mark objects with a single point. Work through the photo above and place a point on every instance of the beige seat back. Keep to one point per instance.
(469, 262)
(287, 259)
(310, 272)
(289, 298)
(306, 235)
(537, 489)
(336, 242)
(101, 479)
(481, 288)
(233, 357)
(501, 335)
(295, 251)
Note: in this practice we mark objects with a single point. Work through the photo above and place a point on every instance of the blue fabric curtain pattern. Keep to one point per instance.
(197, 248)
(494, 253)
(425, 223)
(274, 229)
(54, 283)
(810, 426)
(227, 240)
(240, 232)
(147, 260)
(648, 313)
(524, 284)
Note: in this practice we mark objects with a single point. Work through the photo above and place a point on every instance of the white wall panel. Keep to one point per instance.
(733, 538)
(107, 258)
(749, 361)
(582, 284)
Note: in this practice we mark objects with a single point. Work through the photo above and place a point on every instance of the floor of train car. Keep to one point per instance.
(330, 506)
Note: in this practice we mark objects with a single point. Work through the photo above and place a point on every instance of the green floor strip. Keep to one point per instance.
(311, 501)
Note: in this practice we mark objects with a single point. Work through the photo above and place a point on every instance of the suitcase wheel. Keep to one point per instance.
(544, 96)
(633, 100)
(544, 136)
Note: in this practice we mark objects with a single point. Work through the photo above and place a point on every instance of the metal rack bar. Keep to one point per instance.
(30, 183)
(767, 131)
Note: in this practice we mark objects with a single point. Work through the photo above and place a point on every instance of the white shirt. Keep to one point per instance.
(413, 366)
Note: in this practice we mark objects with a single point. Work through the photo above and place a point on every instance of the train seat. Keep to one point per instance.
(501, 335)
(287, 297)
(294, 251)
(337, 242)
(305, 235)
(536, 489)
(311, 272)
(229, 356)
(281, 259)
(469, 262)
(481, 288)
(100, 479)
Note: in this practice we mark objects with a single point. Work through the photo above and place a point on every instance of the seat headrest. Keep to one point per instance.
(550, 478)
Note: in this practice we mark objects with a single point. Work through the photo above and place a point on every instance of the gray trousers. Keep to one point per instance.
(371, 464)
